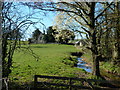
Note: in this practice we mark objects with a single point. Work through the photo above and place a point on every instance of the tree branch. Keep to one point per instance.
(86, 31)
(103, 11)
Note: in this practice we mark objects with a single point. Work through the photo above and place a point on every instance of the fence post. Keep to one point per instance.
(35, 81)
(90, 84)
(70, 83)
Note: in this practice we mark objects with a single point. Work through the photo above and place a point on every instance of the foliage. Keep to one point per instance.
(108, 41)
(110, 67)
(49, 37)
(105, 66)
(36, 34)
(63, 36)
(72, 61)
(45, 38)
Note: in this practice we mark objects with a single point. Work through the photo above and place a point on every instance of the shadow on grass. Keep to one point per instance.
(78, 54)
(36, 47)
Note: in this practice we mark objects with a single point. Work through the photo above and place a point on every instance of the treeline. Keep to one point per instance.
(52, 36)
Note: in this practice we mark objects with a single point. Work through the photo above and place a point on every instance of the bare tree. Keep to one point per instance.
(14, 24)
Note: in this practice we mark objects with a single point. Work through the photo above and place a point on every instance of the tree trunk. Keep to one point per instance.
(95, 55)
(94, 49)
(96, 70)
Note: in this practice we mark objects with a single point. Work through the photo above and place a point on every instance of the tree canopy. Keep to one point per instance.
(49, 36)
(63, 36)
(37, 35)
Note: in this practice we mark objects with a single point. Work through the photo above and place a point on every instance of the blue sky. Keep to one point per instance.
(46, 18)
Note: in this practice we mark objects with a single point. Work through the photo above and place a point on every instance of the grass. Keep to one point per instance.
(106, 68)
(54, 60)
(50, 62)
(109, 67)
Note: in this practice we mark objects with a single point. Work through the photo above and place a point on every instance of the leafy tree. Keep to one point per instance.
(49, 37)
(45, 38)
(50, 33)
(117, 33)
(63, 36)
(36, 35)
(112, 17)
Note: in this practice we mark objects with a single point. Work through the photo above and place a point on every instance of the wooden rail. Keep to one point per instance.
(36, 82)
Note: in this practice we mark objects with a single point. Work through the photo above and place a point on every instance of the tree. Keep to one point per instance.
(117, 32)
(114, 18)
(63, 36)
(50, 33)
(37, 34)
(13, 22)
(110, 33)
(49, 37)
(107, 33)
(0, 49)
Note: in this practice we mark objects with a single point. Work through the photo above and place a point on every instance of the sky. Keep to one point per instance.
(45, 20)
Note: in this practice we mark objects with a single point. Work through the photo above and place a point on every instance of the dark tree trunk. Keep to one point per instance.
(95, 55)
(94, 49)
(96, 70)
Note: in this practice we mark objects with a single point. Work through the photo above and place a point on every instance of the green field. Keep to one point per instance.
(50, 62)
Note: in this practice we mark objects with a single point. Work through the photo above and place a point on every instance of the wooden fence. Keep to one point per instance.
(70, 84)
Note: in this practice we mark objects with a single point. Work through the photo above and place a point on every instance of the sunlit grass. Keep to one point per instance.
(25, 66)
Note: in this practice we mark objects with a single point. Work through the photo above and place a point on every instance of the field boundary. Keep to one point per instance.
(70, 85)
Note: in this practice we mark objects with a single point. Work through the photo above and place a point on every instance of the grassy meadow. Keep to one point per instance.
(50, 62)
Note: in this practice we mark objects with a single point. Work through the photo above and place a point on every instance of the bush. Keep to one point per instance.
(72, 61)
